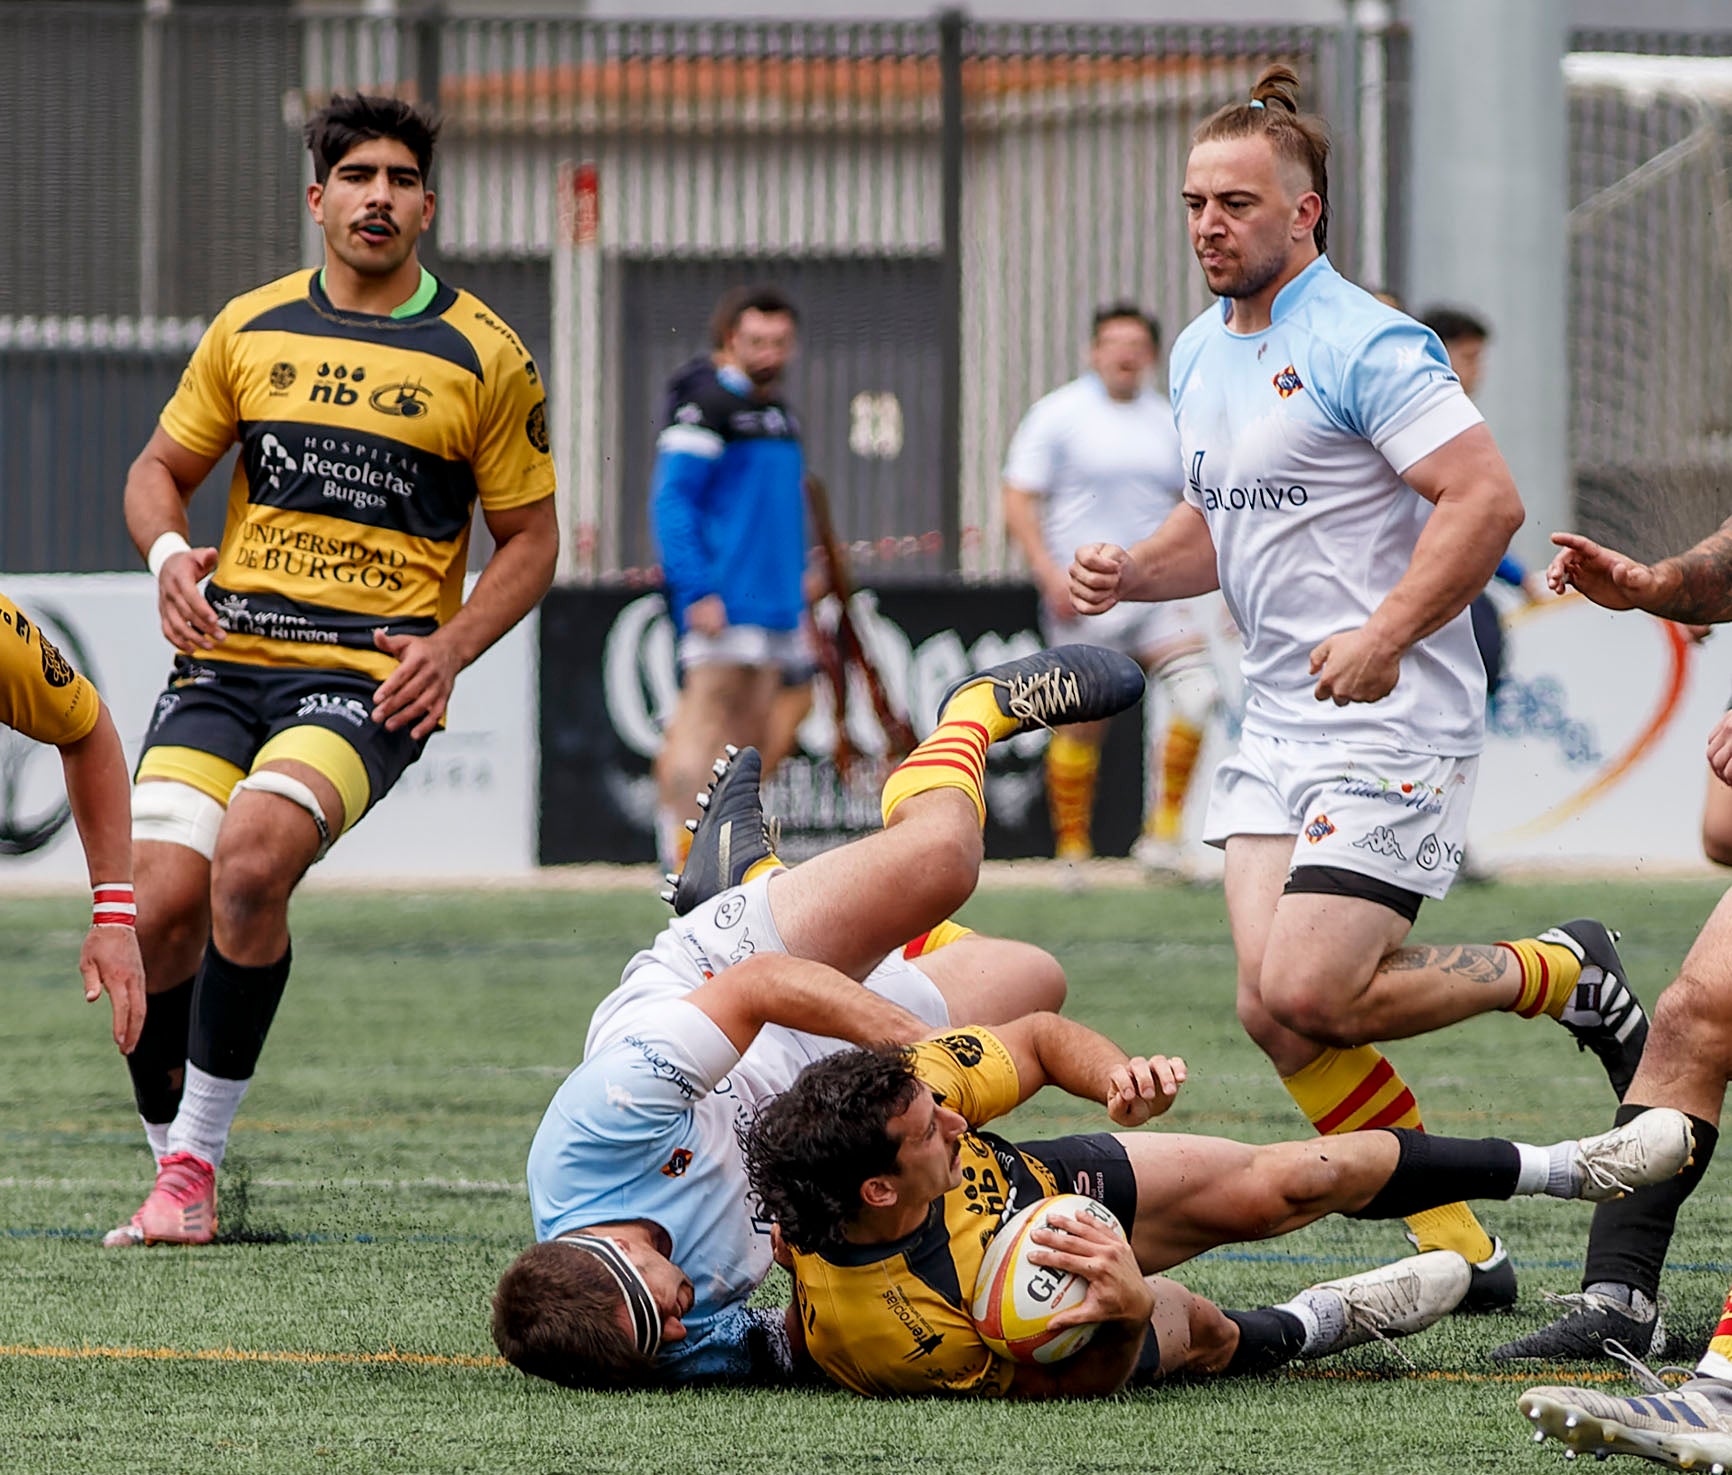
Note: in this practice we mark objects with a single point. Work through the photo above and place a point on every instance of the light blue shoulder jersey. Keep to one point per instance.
(1295, 441)
(645, 1129)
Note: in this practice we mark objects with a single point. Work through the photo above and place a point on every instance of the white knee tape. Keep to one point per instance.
(269, 781)
(176, 814)
(1188, 683)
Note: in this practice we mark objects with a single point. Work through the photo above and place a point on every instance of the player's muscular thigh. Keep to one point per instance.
(173, 893)
(263, 849)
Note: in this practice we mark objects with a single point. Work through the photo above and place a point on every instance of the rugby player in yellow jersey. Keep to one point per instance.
(887, 1194)
(374, 405)
(43, 698)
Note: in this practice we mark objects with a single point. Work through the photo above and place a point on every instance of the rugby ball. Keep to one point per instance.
(1014, 1298)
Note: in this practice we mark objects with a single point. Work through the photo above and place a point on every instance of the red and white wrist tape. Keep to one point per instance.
(114, 906)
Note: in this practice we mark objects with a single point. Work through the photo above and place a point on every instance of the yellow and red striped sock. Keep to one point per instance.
(1717, 1360)
(1357, 1090)
(1550, 973)
(953, 757)
(1072, 766)
(1179, 750)
(945, 933)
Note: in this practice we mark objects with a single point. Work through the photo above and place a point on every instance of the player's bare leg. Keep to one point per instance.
(718, 705)
(263, 848)
(788, 709)
(1196, 1193)
(992, 980)
(1717, 821)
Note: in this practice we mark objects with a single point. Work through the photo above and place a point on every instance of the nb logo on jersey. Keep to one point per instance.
(335, 385)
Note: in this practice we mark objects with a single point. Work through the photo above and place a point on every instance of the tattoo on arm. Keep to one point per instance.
(1704, 595)
(1476, 962)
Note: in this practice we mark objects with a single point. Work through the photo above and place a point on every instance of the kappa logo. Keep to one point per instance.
(407, 397)
(1318, 828)
(675, 1166)
(335, 385)
(282, 377)
(1380, 840)
(1287, 383)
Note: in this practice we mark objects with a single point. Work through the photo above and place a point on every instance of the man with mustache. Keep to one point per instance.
(373, 405)
(1346, 497)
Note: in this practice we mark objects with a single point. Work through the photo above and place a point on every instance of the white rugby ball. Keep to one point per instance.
(1014, 1298)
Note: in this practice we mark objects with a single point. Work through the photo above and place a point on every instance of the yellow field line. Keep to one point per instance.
(240, 1354)
(439, 1359)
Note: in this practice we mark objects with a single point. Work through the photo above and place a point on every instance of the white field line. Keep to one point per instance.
(405, 1185)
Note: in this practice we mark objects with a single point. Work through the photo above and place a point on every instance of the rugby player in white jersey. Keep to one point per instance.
(1347, 498)
(1096, 461)
(648, 1248)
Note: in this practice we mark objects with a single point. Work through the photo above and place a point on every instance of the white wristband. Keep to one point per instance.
(163, 549)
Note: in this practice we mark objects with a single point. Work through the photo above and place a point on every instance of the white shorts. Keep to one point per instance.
(746, 645)
(1132, 629)
(1400, 817)
(728, 929)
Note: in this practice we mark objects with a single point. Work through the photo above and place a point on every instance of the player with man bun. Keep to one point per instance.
(1346, 497)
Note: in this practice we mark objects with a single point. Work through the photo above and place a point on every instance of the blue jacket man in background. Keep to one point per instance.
(728, 511)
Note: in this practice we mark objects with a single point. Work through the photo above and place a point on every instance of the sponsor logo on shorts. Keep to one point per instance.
(1287, 383)
(699, 956)
(675, 1166)
(165, 704)
(730, 910)
(1318, 828)
(1381, 841)
(1407, 794)
(327, 704)
(1434, 852)
(1091, 1185)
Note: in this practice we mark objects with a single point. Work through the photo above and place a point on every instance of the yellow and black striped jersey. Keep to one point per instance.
(889, 1320)
(40, 694)
(365, 442)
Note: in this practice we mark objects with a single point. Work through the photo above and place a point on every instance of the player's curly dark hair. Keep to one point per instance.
(355, 118)
(556, 1315)
(1273, 112)
(811, 1148)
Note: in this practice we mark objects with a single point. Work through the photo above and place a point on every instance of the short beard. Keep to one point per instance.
(1253, 278)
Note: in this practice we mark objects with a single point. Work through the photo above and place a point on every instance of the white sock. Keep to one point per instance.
(207, 1110)
(1713, 1365)
(1536, 1169)
(156, 1134)
(1321, 1312)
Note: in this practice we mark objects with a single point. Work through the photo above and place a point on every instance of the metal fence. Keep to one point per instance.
(948, 200)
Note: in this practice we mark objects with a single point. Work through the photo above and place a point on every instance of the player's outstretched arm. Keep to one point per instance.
(1050, 1050)
(1119, 1299)
(1477, 511)
(159, 484)
(796, 993)
(1176, 561)
(1694, 588)
(519, 572)
(100, 791)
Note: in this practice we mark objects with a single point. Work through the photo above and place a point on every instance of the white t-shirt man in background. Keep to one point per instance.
(1348, 500)
(1097, 461)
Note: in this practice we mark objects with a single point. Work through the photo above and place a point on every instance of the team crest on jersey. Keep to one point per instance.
(535, 427)
(282, 376)
(1319, 829)
(56, 669)
(1287, 383)
(675, 1166)
(407, 398)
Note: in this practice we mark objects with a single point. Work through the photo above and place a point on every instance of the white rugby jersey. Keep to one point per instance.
(1106, 470)
(1294, 443)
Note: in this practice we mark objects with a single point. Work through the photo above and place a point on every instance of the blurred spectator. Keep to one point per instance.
(729, 516)
(1097, 460)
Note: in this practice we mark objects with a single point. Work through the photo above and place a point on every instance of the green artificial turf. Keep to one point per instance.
(373, 1193)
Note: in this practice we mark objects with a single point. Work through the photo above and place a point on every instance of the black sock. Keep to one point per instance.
(158, 1061)
(1268, 1339)
(232, 1009)
(1630, 1235)
(1433, 1171)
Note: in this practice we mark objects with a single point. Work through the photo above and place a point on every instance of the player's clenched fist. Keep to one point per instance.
(1097, 577)
(1142, 1088)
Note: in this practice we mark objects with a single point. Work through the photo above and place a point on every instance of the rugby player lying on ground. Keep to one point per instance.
(648, 1245)
(886, 1193)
